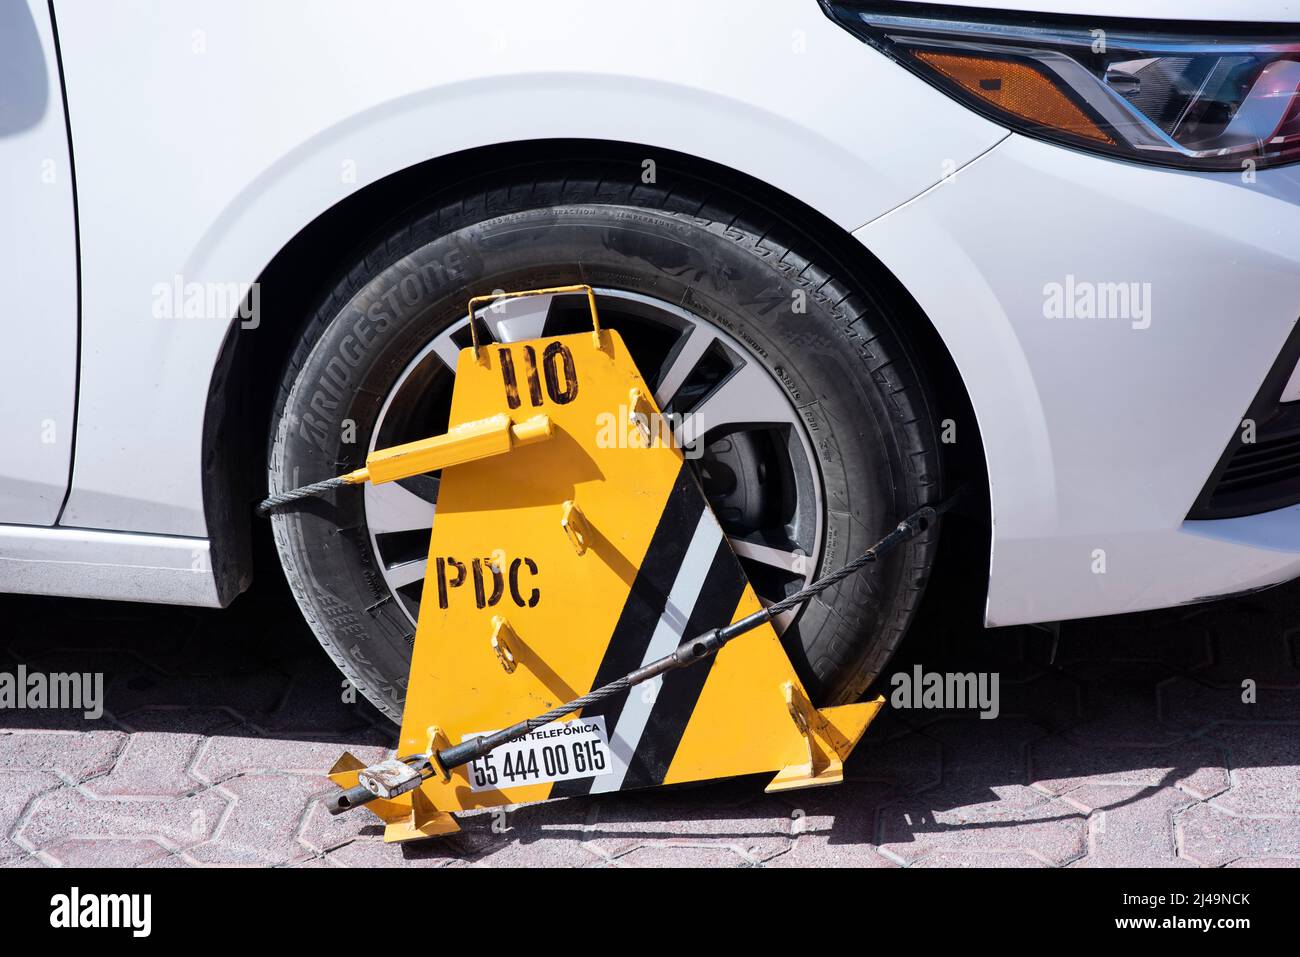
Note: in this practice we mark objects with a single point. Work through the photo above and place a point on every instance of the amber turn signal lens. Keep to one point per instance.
(1015, 88)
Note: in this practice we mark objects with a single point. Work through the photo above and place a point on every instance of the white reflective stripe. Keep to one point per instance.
(1292, 391)
(667, 636)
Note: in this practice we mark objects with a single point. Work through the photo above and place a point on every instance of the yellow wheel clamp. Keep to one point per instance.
(573, 629)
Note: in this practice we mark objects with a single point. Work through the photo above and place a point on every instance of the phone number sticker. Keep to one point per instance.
(559, 751)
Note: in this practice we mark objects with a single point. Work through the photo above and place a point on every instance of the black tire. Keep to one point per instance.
(846, 370)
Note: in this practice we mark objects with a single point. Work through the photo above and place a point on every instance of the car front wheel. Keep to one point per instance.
(810, 424)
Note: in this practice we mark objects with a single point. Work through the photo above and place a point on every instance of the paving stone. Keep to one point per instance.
(683, 854)
(1130, 826)
(77, 756)
(19, 788)
(834, 827)
(152, 764)
(980, 859)
(757, 828)
(912, 762)
(1061, 765)
(975, 817)
(308, 707)
(229, 754)
(261, 825)
(1290, 863)
(175, 822)
(1182, 645)
(973, 749)
(30, 860)
(1251, 645)
(321, 831)
(1264, 760)
(239, 694)
(1120, 704)
(551, 832)
(1214, 838)
(1190, 706)
(1053, 700)
(79, 852)
(179, 719)
(375, 853)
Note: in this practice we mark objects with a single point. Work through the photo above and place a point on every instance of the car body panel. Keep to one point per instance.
(208, 134)
(123, 566)
(38, 271)
(1099, 433)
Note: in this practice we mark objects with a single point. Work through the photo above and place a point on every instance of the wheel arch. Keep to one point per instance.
(242, 390)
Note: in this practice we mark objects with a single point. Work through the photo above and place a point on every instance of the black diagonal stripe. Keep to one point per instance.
(723, 587)
(645, 604)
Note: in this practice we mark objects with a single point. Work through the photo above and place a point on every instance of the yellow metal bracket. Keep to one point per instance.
(829, 734)
(575, 526)
(643, 414)
(503, 643)
(435, 741)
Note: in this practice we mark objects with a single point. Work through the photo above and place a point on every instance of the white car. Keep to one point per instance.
(879, 251)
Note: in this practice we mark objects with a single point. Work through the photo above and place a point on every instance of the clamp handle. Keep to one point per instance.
(463, 443)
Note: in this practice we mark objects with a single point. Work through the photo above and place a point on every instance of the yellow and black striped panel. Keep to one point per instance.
(689, 582)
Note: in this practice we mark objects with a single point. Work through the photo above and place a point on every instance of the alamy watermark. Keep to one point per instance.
(36, 691)
(75, 909)
(637, 429)
(946, 691)
(1084, 299)
(219, 301)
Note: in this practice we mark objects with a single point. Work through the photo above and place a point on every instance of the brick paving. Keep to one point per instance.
(1132, 746)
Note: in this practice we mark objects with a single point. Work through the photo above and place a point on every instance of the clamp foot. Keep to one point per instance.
(424, 820)
(830, 735)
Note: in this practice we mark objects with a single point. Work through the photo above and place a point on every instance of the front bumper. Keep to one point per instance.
(1101, 424)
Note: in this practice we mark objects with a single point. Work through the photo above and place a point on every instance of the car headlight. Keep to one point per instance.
(1193, 100)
